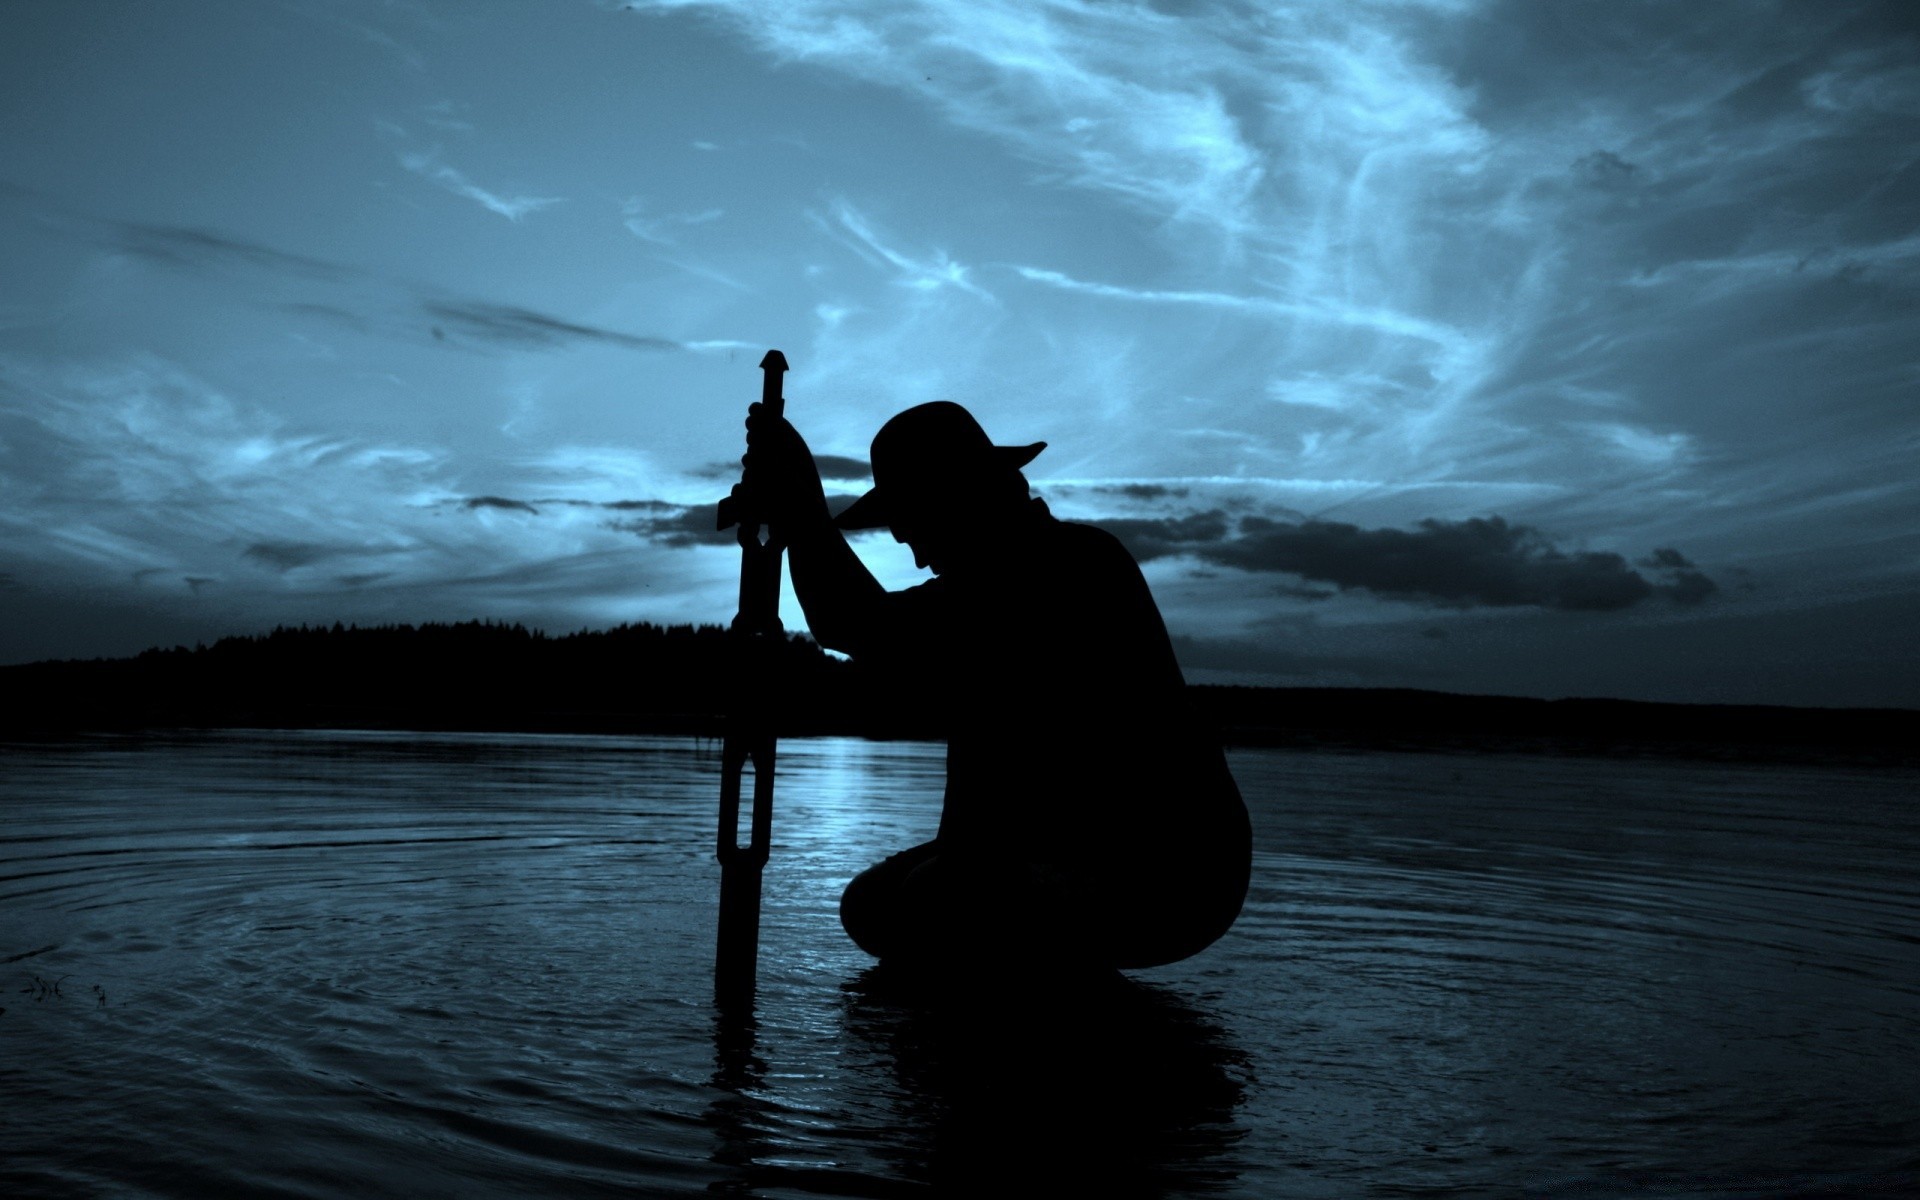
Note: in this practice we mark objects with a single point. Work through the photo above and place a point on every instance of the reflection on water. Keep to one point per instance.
(1125, 1089)
(377, 964)
(1120, 1090)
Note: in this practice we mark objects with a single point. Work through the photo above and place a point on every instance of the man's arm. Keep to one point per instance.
(843, 602)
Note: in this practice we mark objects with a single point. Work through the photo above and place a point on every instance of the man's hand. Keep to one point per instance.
(781, 478)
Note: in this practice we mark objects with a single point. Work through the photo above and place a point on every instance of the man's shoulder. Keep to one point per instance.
(1091, 541)
(927, 591)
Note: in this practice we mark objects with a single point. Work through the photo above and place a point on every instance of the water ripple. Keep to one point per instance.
(316, 964)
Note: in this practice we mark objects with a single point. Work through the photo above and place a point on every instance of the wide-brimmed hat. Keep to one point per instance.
(928, 450)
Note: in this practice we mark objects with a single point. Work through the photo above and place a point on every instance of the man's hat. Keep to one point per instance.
(926, 450)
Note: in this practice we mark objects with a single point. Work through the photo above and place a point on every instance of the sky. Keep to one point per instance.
(1494, 346)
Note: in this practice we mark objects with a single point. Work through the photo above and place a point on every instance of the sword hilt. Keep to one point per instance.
(733, 510)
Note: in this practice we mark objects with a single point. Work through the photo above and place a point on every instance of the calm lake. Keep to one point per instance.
(378, 964)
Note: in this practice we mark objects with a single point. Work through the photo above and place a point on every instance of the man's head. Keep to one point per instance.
(937, 480)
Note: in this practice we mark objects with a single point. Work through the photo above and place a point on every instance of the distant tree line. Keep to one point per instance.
(486, 675)
(469, 675)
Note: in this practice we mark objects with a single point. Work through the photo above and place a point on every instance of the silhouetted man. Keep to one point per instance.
(1087, 821)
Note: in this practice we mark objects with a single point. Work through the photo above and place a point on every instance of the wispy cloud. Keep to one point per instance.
(662, 229)
(189, 249)
(144, 466)
(1319, 309)
(448, 115)
(509, 325)
(1420, 231)
(358, 299)
(428, 166)
(661, 522)
(144, 475)
(1092, 88)
(927, 273)
(332, 15)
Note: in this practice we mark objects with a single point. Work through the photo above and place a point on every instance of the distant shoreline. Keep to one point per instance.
(483, 677)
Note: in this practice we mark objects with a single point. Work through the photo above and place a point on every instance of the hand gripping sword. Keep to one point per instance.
(756, 636)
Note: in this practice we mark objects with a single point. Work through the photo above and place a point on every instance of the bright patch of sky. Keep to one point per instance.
(1601, 317)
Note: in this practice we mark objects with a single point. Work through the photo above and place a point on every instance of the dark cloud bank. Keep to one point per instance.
(681, 526)
(659, 521)
(1478, 562)
(830, 466)
(1482, 561)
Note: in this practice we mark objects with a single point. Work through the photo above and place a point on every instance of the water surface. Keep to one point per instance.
(371, 964)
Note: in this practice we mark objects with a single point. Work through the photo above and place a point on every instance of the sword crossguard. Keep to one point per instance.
(731, 509)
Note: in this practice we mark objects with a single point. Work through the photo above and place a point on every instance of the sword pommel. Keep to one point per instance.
(775, 365)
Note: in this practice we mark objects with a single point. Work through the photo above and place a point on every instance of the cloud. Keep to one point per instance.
(330, 15)
(141, 467)
(1151, 538)
(838, 466)
(198, 250)
(1143, 491)
(662, 230)
(679, 526)
(523, 328)
(711, 275)
(1605, 170)
(1107, 95)
(676, 526)
(1478, 562)
(1319, 308)
(1685, 584)
(428, 166)
(473, 502)
(285, 556)
(352, 306)
(237, 518)
(446, 114)
(331, 313)
(831, 466)
(1688, 587)
(929, 273)
(1590, 247)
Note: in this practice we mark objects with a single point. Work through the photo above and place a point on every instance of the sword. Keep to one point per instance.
(756, 635)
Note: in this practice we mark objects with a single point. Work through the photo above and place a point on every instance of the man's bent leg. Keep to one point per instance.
(956, 914)
(873, 908)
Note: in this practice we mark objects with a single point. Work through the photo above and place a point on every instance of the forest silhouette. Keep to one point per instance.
(644, 678)
(480, 675)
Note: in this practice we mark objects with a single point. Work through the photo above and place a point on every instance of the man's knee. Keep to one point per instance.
(870, 907)
(862, 910)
